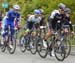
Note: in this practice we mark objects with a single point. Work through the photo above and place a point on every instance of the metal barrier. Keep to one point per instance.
(73, 38)
(73, 27)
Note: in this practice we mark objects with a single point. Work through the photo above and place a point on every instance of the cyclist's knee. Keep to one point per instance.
(12, 31)
(34, 33)
(49, 32)
(48, 35)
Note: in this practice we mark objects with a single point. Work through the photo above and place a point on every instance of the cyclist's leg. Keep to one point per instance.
(48, 34)
(35, 29)
(26, 25)
(12, 34)
(3, 34)
(12, 30)
(55, 28)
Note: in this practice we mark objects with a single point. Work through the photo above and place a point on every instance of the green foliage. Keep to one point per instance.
(27, 6)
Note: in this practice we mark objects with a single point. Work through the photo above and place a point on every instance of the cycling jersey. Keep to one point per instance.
(11, 15)
(68, 22)
(42, 23)
(33, 20)
(53, 18)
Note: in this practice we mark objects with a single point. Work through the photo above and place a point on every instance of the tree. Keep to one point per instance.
(27, 6)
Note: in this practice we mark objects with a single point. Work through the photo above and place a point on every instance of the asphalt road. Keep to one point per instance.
(27, 57)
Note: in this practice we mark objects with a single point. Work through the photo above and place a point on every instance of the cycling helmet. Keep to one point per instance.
(37, 11)
(67, 10)
(41, 10)
(61, 6)
(17, 7)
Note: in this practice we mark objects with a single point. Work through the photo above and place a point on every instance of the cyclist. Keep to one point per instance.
(33, 20)
(0, 20)
(42, 23)
(54, 19)
(26, 21)
(67, 18)
(66, 23)
(8, 20)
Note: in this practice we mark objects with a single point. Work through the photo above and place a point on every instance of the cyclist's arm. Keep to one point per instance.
(71, 28)
(70, 24)
(50, 19)
(29, 19)
(18, 17)
(8, 15)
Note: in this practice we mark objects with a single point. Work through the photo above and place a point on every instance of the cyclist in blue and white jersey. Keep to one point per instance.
(33, 20)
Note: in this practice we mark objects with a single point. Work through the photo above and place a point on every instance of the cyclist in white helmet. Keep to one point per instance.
(8, 20)
(53, 19)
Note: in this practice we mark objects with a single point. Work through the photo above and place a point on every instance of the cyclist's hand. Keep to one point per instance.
(66, 30)
(73, 32)
(16, 28)
(19, 27)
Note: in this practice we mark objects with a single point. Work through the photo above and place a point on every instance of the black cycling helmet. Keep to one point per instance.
(61, 6)
(67, 10)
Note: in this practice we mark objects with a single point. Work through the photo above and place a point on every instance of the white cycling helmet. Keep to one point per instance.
(61, 6)
(17, 7)
(41, 10)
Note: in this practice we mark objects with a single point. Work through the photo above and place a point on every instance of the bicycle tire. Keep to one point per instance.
(69, 46)
(3, 47)
(62, 53)
(33, 43)
(14, 48)
(20, 44)
(40, 42)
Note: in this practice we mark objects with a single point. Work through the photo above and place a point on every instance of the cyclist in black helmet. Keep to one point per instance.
(67, 20)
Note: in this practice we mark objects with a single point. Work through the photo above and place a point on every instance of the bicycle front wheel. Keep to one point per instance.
(59, 51)
(3, 47)
(67, 46)
(13, 44)
(33, 45)
(22, 44)
(42, 51)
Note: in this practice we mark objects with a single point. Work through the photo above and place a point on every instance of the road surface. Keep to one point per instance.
(27, 57)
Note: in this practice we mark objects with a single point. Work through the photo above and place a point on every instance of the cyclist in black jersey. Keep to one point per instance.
(55, 17)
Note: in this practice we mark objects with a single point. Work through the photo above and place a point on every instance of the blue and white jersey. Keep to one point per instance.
(33, 19)
(10, 16)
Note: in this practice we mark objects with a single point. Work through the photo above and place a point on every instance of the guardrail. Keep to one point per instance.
(73, 39)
